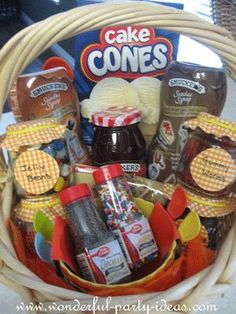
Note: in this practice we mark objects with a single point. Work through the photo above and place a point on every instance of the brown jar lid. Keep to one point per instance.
(213, 125)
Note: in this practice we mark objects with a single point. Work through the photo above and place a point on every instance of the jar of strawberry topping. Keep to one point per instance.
(117, 138)
(208, 162)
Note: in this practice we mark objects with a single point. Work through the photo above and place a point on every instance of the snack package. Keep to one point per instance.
(123, 65)
(50, 94)
(82, 174)
(146, 189)
(142, 188)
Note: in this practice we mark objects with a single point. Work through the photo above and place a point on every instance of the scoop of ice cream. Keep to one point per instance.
(114, 92)
(148, 90)
(142, 93)
(86, 108)
(107, 93)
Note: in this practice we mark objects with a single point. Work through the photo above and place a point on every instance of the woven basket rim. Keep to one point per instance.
(24, 48)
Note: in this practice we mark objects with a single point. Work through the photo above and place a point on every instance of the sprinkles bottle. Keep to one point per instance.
(123, 218)
(98, 253)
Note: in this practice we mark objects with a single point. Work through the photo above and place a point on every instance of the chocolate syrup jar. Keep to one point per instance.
(117, 139)
(186, 90)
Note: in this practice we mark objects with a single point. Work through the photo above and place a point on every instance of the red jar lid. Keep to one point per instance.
(116, 116)
(75, 192)
(109, 172)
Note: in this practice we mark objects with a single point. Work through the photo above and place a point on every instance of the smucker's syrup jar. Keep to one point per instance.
(208, 162)
(117, 139)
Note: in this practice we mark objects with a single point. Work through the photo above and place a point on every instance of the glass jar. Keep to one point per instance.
(118, 138)
(38, 156)
(25, 211)
(98, 253)
(208, 162)
(130, 226)
(217, 215)
(186, 90)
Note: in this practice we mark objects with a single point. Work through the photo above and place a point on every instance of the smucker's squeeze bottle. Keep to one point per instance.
(186, 90)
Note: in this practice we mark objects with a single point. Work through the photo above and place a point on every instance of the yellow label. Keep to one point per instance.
(36, 171)
(213, 169)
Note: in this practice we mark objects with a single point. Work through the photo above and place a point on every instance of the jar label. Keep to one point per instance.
(140, 239)
(36, 171)
(136, 169)
(213, 169)
(107, 264)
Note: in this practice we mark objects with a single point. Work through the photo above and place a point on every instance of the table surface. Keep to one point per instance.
(225, 304)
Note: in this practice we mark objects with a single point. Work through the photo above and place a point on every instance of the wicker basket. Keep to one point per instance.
(224, 14)
(28, 45)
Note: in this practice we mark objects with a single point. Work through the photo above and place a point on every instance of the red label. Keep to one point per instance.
(139, 241)
(103, 251)
(136, 229)
(127, 52)
(168, 128)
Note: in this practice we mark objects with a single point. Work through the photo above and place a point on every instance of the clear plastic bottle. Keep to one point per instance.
(98, 253)
(123, 218)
